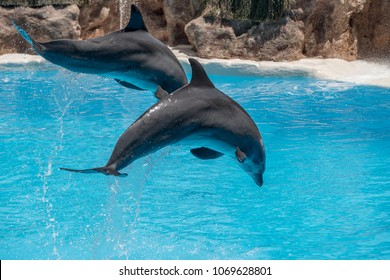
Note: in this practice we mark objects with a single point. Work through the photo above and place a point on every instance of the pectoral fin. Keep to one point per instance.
(206, 153)
(240, 155)
(128, 85)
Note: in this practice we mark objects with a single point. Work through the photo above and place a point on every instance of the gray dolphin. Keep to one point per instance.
(197, 112)
(131, 56)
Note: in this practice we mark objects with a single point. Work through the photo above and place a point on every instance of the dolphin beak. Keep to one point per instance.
(259, 179)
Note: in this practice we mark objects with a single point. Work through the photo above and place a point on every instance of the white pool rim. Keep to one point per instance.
(361, 72)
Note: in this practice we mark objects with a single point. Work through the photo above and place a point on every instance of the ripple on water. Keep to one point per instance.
(326, 184)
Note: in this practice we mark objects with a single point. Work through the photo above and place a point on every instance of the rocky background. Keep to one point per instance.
(347, 29)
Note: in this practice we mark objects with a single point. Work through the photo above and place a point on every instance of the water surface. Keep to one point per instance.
(325, 194)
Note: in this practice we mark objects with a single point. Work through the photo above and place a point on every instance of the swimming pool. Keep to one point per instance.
(325, 194)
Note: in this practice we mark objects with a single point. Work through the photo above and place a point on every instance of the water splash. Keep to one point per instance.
(64, 98)
(124, 15)
(50, 222)
(63, 94)
(121, 212)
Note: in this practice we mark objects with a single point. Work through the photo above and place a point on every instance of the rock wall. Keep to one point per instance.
(45, 23)
(165, 19)
(99, 18)
(56, 22)
(372, 29)
(347, 29)
(329, 31)
(280, 40)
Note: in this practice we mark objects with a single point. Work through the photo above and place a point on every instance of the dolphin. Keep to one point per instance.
(133, 57)
(197, 113)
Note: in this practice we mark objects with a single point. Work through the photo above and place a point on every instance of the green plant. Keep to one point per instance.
(39, 3)
(246, 9)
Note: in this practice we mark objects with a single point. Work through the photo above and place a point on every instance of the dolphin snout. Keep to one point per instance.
(258, 179)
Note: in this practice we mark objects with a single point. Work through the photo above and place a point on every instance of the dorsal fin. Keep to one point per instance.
(199, 75)
(160, 93)
(136, 21)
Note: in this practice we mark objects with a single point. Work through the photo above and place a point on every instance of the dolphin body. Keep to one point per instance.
(197, 112)
(131, 56)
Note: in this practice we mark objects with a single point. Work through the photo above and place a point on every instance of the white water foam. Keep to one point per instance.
(362, 72)
(376, 73)
(16, 59)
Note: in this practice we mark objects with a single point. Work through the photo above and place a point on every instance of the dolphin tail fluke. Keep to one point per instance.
(36, 46)
(105, 170)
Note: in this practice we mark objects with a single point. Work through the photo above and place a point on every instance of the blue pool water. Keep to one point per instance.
(326, 193)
